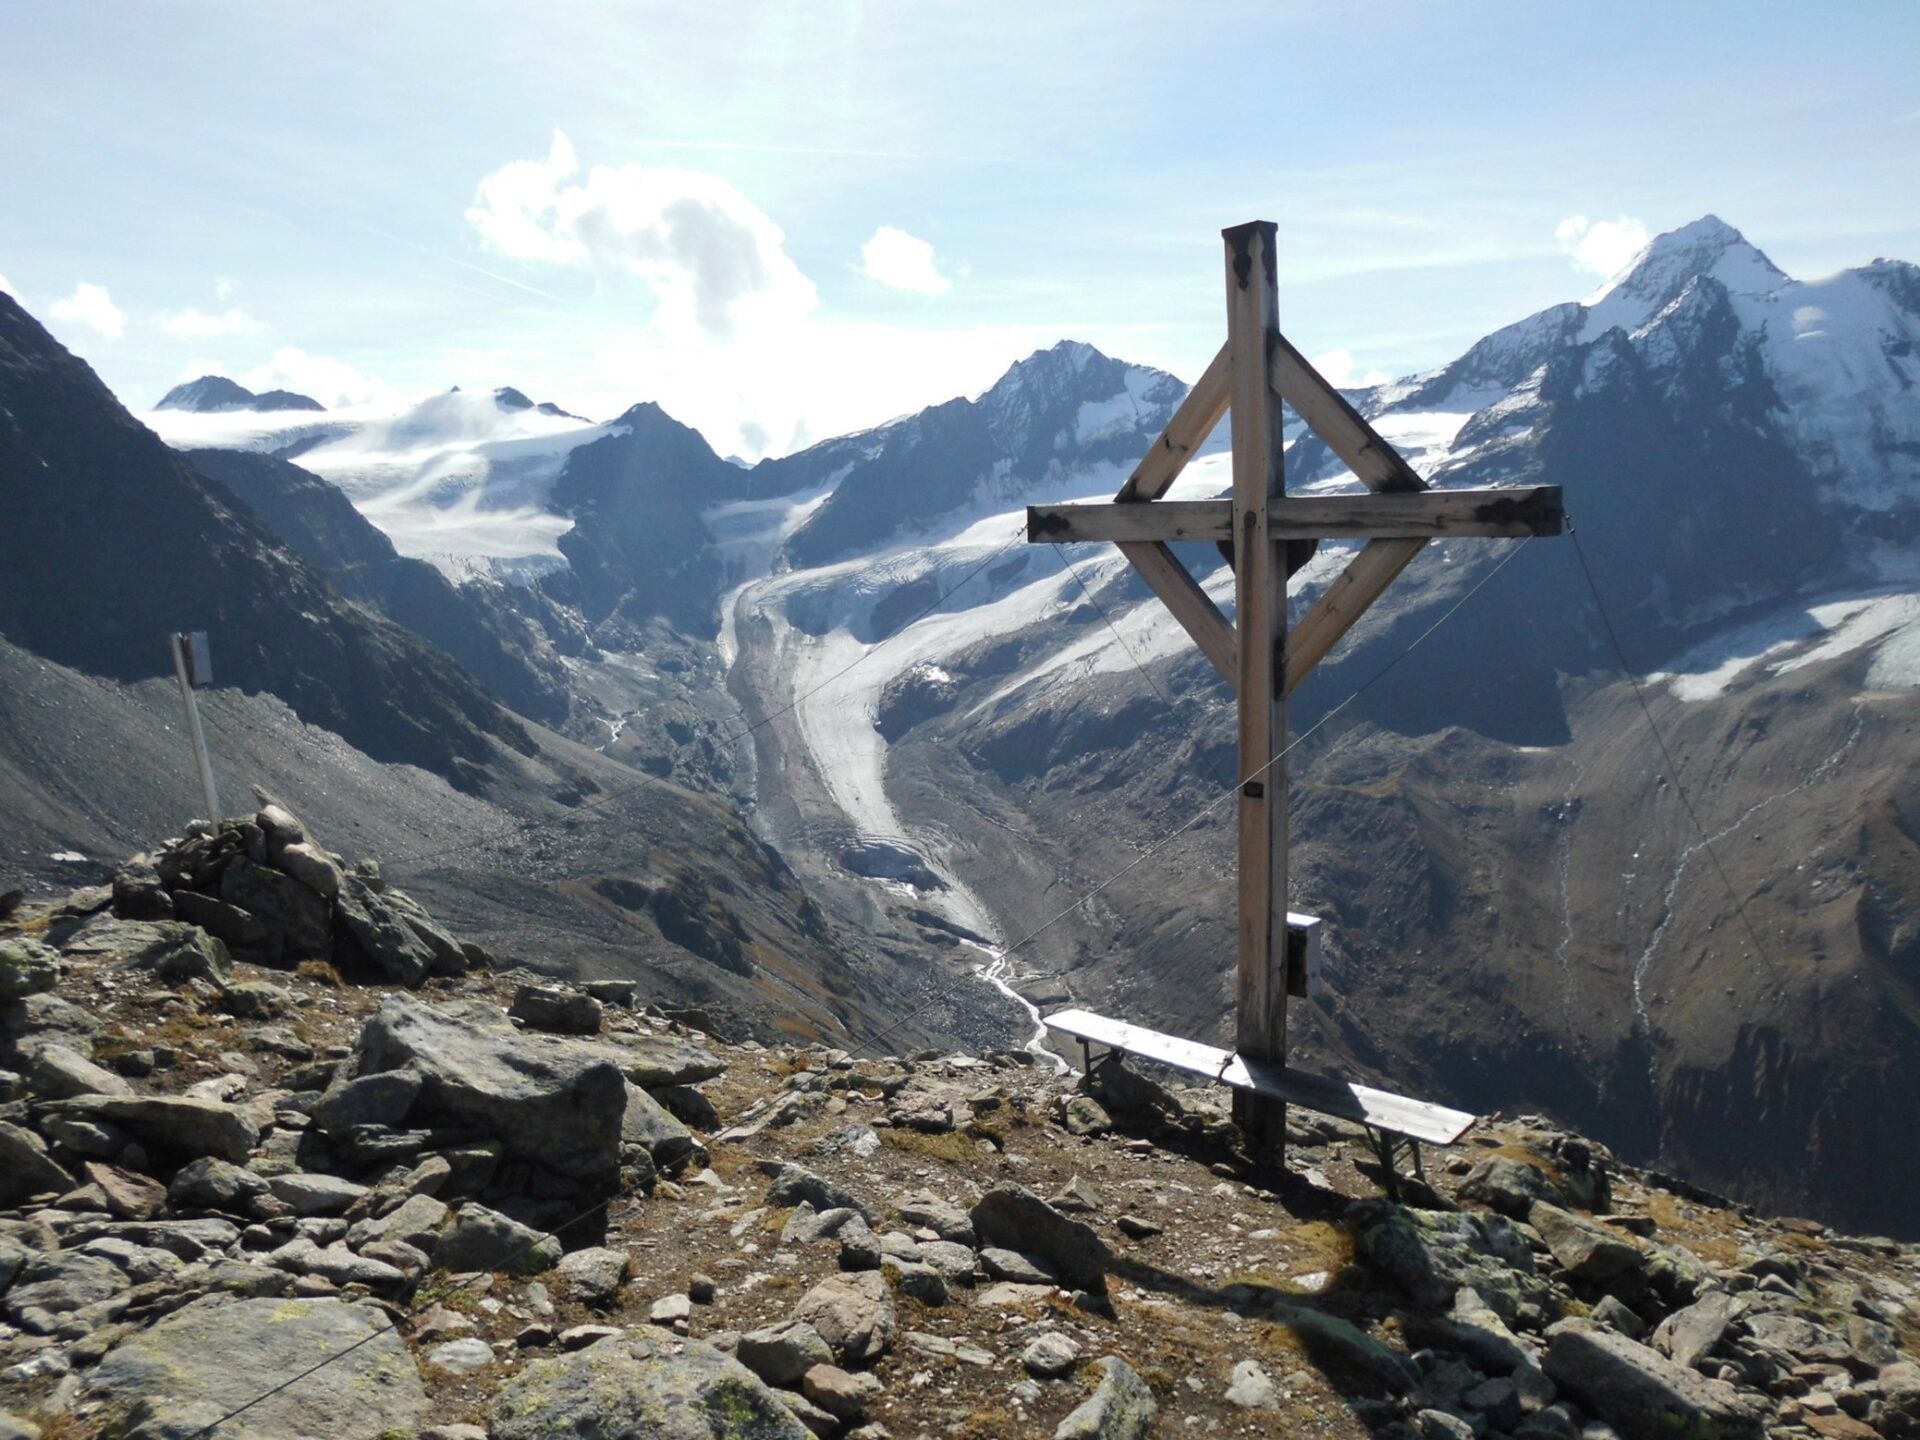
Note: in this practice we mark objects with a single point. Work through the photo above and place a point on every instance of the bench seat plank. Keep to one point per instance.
(1327, 1094)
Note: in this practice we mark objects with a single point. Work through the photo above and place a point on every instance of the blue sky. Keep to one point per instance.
(785, 221)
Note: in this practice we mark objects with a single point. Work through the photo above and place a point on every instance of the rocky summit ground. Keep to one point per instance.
(279, 1157)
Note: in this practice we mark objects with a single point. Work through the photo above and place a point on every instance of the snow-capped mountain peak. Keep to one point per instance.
(1655, 277)
(216, 394)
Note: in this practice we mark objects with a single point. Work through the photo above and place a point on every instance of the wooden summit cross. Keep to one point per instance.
(1267, 534)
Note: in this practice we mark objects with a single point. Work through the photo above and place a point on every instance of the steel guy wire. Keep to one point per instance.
(1673, 768)
(1204, 810)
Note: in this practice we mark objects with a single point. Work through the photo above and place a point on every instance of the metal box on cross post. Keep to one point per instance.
(1303, 955)
(198, 658)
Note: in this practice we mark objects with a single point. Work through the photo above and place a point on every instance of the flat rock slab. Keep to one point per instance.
(173, 1124)
(1639, 1391)
(208, 1359)
(644, 1381)
(651, 1061)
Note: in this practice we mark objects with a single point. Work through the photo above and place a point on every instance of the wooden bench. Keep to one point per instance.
(1385, 1115)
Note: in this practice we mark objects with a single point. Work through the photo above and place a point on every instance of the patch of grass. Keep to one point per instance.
(994, 1424)
(1326, 1245)
(995, 1137)
(321, 972)
(442, 1292)
(951, 1146)
(1793, 1240)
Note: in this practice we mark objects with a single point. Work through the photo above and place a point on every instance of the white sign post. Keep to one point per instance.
(192, 666)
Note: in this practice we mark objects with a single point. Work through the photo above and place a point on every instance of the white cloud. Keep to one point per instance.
(716, 261)
(7, 285)
(223, 288)
(197, 324)
(902, 262)
(91, 306)
(1601, 247)
(333, 383)
(1337, 368)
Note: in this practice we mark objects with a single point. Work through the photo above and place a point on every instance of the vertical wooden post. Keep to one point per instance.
(1260, 588)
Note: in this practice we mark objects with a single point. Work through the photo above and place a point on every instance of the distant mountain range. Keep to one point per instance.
(949, 733)
(215, 394)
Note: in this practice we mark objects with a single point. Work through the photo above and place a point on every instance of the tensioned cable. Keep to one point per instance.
(1120, 640)
(1204, 810)
(1673, 768)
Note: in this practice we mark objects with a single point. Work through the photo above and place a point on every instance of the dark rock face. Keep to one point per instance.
(639, 546)
(112, 540)
(470, 622)
(929, 465)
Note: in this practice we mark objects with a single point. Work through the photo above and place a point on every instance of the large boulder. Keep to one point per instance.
(298, 919)
(781, 1354)
(646, 1381)
(556, 1010)
(210, 1184)
(171, 949)
(1432, 1254)
(378, 932)
(483, 1239)
(28, 1024)
(139, 893)
(59, 1074)
(383, 1098)
(312, 867)
(1121, 1407)
(797, 1185)
(25, 1168)
(27, 967)
(198, 1364)
(1013, 1218)
(653, 1061)
(1584, 1250)
(553, 1102)
(648, 1124)
(1510, 1186)
(172, 1125)
(1639, 1391)
(49, 1286)
(853, 1313)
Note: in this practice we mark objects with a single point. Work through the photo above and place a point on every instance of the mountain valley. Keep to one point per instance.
(839, 689)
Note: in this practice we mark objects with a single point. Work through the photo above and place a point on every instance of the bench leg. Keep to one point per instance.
(1386, 1149)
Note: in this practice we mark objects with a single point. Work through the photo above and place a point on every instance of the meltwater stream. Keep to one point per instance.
(997, 972)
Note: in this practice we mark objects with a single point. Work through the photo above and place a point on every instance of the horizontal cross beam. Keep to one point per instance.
(1394, 515)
